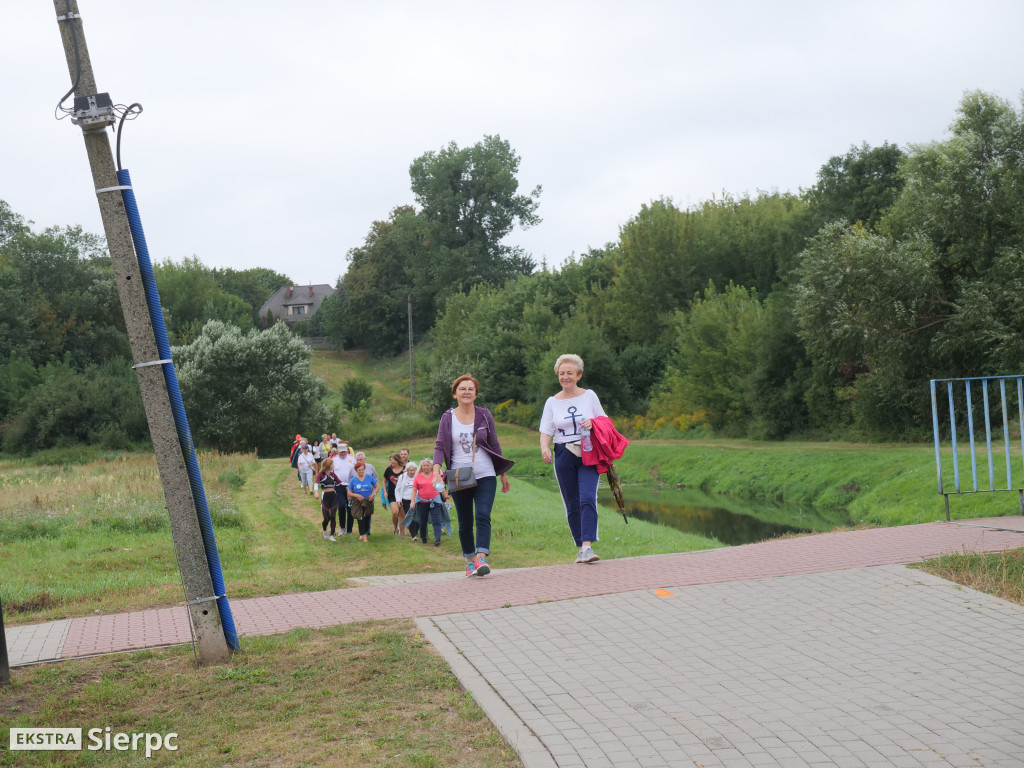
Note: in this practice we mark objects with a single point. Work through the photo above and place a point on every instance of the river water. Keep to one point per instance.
(729, 520)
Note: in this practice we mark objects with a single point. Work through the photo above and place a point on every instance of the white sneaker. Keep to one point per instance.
(331, 538)
(325, 534)
(587, 555)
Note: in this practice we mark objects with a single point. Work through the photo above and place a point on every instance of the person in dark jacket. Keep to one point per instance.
(466, 436)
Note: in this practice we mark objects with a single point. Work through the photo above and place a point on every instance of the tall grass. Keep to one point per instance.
(98, 531)
(998, 573)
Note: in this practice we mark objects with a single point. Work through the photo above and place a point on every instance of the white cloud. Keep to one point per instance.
(274, 134)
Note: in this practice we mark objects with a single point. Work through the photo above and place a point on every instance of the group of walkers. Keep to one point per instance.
(348, 487)
(340, 480)
(466, 470)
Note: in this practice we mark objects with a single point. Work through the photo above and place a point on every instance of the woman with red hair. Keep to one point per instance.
(466, 437)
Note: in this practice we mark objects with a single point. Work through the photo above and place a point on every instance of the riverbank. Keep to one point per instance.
(866, 484)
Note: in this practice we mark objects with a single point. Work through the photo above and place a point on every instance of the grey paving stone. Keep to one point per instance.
(861, 667)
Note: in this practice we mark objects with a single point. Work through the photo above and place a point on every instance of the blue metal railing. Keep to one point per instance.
(960, 406)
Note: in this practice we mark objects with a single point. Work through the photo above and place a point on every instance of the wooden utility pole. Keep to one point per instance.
(200, 599)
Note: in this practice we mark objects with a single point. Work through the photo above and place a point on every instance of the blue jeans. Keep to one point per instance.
(423, 510)
(480, 496)
(578, 485)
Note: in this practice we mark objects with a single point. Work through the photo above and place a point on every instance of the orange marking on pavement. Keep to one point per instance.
(664, 593)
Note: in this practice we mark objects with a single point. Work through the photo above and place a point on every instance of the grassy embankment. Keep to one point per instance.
(393, 418)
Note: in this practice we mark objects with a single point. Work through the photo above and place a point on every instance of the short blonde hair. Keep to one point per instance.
(574, 359)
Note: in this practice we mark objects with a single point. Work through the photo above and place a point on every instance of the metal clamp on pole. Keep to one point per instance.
(199, 600)
(153, 362)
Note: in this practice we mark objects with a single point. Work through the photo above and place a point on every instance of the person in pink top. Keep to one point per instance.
(426, 498)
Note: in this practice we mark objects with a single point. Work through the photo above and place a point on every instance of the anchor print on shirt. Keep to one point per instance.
(572, 413)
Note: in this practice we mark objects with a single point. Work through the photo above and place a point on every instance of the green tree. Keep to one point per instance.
(100, 405)
(986, 332)
(866, 308)
(60, 297)
(860, 295)
(331, 318)
(653, 276)
(966, 194)
(508, 331)
(470, 201)
(383, 274)
(603, 373)
(666, 255)
(11, 224)
(250, 391)
(191, 296)
(716, 350)
(858, 187)
(780, 379)
(253, 285)
(355, 392)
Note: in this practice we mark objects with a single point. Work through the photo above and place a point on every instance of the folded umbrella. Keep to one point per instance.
(613, 483)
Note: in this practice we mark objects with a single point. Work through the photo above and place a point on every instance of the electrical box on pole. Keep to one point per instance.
(94, 112)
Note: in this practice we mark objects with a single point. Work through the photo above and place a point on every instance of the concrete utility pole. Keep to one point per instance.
(412, 354)
(5, 666)
(188, 542)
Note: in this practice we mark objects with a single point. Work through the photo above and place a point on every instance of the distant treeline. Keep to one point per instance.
(818, 314)
(821, 313)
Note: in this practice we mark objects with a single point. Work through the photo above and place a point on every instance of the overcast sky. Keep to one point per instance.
(274, 133)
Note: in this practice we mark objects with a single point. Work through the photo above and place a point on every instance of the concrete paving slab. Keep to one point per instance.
(869, 667)
(36, 643)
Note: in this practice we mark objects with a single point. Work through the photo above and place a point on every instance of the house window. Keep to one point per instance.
(297, 310)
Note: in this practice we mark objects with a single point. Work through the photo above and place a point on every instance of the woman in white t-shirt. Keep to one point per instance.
(403, 492)
(566, 417)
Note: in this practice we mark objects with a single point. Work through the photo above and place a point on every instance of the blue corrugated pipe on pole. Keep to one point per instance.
(195, 478)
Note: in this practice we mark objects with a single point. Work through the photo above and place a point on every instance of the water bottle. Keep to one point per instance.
(439, 486)
(585, 442)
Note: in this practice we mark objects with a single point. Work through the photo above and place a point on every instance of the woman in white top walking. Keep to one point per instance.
(567, 419)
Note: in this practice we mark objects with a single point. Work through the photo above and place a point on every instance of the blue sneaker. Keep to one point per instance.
(471, 568)
(482, 568)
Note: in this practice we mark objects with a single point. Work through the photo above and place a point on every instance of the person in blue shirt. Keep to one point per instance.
(362, 490)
